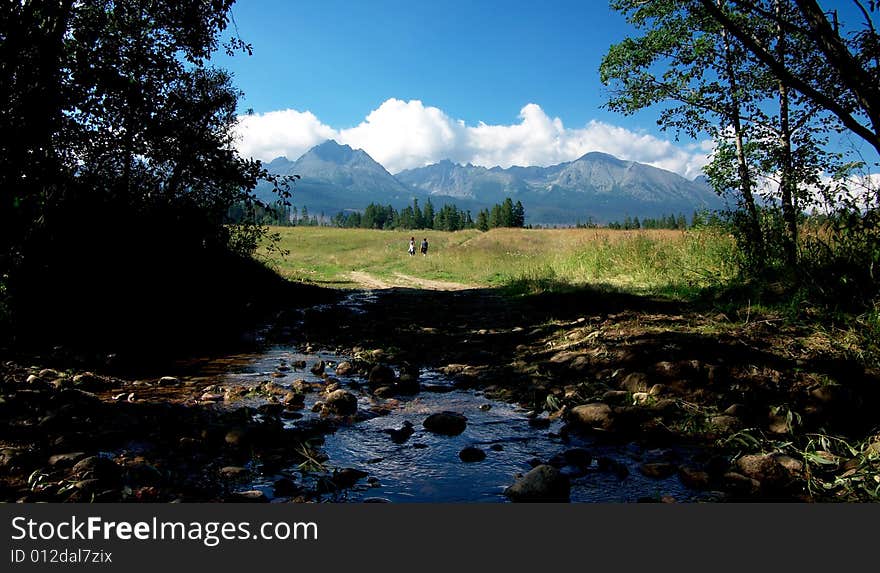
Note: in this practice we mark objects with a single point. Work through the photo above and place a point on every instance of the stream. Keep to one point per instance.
(426, 467)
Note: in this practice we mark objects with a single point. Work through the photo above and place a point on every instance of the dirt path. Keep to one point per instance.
(369, 281)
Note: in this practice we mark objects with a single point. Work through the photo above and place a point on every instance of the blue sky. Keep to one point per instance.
(413, 82)
(476, 60)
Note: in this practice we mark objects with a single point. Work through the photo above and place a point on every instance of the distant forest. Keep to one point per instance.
(671, 221)
(448, 218)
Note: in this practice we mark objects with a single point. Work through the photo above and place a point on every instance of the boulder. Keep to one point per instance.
(446, 423)
(693, 478)
(347, 477)
(301, 386)
(65, 460)
(596, 415)
(318, 368)
(635, 382)
(542, 483)
(253, 496)
(739, 484)
(99, 468)
(766, 469)
(344, 368)
(233, 472)
(341, 402)
(657, 470)
(89, 382)
(384, 392)
(274, 389)
(168, 381)
(471, 454)
(293, 399)
(400, 435)
(725, 424)
(382, 375)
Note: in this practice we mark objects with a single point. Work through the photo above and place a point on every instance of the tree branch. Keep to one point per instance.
(792, 80)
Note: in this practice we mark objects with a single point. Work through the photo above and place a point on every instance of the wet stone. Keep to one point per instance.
(65, 460)
(446, 423)
(542, 483)
(635, 382)
(596, 415)
(402, 434)
(342, 403)
(765, 469)
(472, 454)
(99, 468)
(253, 496)
(657, 470)
(382, 375)
(347, 477)
(693, 478)
(233, 472)
(384, 392)
(167, 381)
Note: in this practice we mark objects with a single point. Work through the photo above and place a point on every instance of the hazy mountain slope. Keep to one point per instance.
(599, 186)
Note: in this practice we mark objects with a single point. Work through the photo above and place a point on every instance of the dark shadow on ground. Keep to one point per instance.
(599, 341)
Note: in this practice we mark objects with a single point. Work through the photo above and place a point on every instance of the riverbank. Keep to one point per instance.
(766, 406)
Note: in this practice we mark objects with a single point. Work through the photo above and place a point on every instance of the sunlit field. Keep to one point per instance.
(645, 260)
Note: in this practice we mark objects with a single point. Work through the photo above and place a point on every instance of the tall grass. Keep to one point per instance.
(646, 260)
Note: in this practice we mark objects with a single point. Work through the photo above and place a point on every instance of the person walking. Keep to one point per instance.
(424, 248)
(412, 246)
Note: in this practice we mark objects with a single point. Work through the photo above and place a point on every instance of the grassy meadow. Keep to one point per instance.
(671, 262)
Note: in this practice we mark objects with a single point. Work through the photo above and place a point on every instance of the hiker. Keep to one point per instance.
(424, 248)
(412, 246)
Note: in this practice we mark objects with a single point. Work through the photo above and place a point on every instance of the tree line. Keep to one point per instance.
(448, 218)
(663, 222)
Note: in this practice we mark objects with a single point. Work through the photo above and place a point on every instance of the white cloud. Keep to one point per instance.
(401, 135)
(288, 132)
(405, 134)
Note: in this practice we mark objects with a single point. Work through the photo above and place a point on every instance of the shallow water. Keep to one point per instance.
(427, 467)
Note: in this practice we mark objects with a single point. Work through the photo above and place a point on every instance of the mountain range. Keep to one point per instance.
(599, 186)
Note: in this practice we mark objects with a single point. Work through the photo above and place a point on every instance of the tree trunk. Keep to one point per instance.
(745, 178)
(787, 180)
